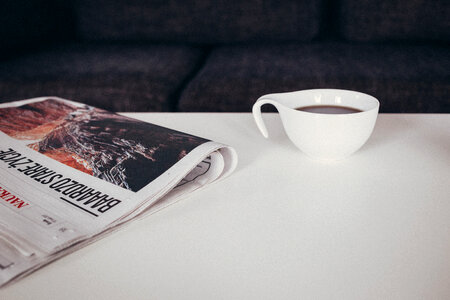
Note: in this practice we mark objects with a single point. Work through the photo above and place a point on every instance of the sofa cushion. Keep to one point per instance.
(25, 23)
(404, 78)
(367, 20)
(199, 21)
(115, 77)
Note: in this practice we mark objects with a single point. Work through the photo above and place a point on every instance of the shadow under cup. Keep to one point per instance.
(326, 124)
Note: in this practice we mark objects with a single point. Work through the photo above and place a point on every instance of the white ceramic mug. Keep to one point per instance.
(320, 135)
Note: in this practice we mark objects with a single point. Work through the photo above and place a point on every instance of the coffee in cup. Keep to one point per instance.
(326, 124)
(328, 109)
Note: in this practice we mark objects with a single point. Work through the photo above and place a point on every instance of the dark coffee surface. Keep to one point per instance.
(329, 109)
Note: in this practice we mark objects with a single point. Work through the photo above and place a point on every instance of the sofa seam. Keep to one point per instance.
(175, 97)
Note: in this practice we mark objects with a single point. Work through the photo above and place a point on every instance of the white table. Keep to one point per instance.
(282, 226)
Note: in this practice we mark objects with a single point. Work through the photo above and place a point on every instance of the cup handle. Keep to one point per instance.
(256, 110)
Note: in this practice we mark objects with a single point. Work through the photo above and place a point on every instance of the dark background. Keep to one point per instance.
(193, 55)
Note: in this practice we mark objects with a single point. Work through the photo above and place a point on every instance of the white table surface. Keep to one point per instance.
(282, 226)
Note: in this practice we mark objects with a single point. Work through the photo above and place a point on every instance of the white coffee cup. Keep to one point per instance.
(323, 136)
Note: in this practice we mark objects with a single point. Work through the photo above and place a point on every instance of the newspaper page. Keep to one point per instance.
(69, 173)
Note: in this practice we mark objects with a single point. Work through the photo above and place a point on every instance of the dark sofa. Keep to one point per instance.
(193, 55)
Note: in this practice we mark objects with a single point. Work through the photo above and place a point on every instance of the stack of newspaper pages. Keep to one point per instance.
(69, 173)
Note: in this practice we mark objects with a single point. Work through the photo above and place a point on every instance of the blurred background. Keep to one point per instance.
(194, 55)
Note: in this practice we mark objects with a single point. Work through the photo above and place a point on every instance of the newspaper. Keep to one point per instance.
(69, 173)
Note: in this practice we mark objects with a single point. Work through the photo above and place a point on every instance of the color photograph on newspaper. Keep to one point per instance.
(126, 152)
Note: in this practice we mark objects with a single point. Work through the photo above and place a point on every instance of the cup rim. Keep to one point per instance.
(374, 105)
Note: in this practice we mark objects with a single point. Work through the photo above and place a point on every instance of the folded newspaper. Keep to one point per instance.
(69, 173)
